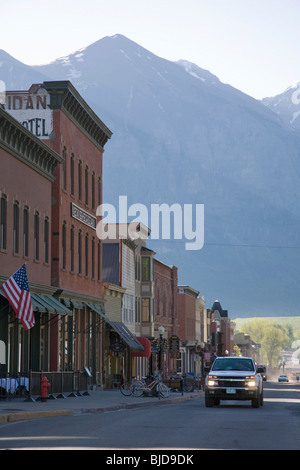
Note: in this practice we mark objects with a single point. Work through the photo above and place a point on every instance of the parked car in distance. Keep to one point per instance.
(264, 373)
(283, 378)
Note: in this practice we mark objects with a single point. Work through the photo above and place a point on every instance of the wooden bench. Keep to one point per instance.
(173, 384)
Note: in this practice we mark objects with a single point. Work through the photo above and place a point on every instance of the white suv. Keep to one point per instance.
(234, 378)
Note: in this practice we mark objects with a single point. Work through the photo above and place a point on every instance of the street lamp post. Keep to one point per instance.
(161, 330)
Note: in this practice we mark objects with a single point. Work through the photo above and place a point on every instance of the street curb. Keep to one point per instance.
(28, 415)
(129, 406)
(12, 417)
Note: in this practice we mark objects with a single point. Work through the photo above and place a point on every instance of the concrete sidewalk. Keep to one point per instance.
(18, 409)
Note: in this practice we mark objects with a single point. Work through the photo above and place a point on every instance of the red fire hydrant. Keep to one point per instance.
(44, 388)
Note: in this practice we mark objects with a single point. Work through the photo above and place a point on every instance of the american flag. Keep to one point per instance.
(16, 290)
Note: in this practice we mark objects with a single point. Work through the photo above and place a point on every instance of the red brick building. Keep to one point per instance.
(79, 135)
(222, 331)
(166, 313)
(58, 115)
(27, 174)
(187, 327)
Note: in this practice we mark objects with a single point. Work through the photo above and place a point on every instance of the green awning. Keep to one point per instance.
(37, 304)
(70, 303)
(126, 335)
(97, 308)
(46, 303)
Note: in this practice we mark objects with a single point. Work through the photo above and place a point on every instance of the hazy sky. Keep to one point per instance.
(254, 45)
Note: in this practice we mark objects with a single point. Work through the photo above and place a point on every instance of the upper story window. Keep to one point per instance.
(86, 185)
(99, 191)
(25, 231)
(93, 258)
(64, 170)
(3, 222)
(79, 252)
(99, 261)
(146, 268)
(36, 235)
(93, 190)
(79, 180)
(72, 249)
(64, 245)
(72, 171)
(16, 228)
(46, 240)
(86, 252)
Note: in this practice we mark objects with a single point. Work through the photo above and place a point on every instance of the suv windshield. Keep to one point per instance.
(233, 364)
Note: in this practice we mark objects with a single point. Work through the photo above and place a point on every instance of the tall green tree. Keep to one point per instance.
(271, 336)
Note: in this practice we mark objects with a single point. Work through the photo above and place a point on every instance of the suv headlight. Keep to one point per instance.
(212, 381)
(251, 382)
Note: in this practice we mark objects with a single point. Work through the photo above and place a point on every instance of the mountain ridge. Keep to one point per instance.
(181, 135)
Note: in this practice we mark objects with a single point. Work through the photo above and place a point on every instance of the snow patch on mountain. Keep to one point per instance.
(287, 105)
(197, 72)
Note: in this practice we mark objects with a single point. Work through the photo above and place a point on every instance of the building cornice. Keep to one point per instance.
(187, 290)
(65, 97)
(22, 144)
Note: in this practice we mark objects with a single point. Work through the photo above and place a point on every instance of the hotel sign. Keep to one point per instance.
(83, 216)
(32, 110)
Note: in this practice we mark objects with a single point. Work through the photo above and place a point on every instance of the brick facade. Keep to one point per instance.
(165, 310)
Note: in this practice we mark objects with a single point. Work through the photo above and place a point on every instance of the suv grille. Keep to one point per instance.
(232, 382)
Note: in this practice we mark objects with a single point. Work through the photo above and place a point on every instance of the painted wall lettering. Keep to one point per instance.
(32, 110)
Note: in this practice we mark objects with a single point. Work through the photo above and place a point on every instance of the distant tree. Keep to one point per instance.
(255, 329)
(271, 336)
(290, 332)
(275, 340)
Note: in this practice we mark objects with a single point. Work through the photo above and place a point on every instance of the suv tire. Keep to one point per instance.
(209, 402)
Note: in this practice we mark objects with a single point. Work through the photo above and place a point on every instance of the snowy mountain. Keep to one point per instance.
(180, 135)
(287, 105)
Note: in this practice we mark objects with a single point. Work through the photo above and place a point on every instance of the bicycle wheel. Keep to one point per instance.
(126, 389)
(188, 386)
(137, 388)
(164, 391)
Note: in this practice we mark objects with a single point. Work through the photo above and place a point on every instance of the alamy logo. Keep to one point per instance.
(166, 222)
(296, 96)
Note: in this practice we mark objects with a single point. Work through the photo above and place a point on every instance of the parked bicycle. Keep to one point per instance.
(187, 383)
(147, 385)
